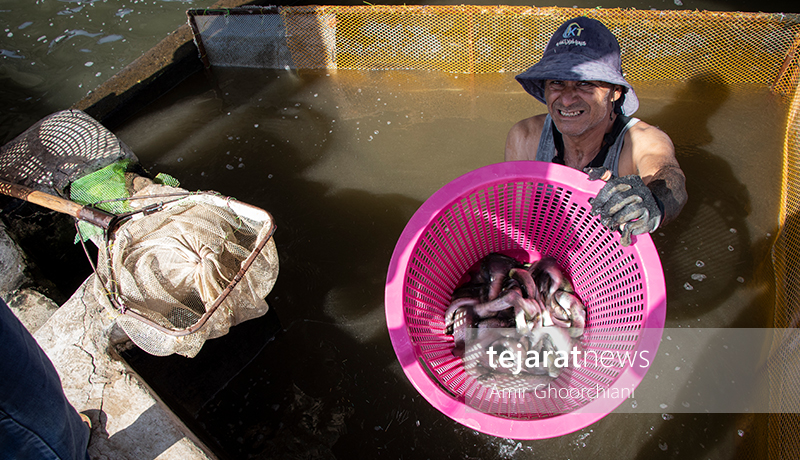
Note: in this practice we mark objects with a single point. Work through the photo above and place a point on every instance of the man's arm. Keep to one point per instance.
(651, 188)
(668, 185)
(653, 158)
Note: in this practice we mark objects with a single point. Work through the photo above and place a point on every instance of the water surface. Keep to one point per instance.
(342, 160)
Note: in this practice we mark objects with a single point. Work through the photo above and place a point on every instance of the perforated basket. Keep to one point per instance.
(528, 210)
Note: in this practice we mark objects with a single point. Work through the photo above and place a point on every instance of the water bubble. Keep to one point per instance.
(241, 165)
(316, 94)
(667, 416)
(255, 125)
(229, 167)
(180, 159)
(634, 404)
(733, 230)
(740, 433)
(700, 263)
(740, 279)
(730, 248)
(89, 64)
(688, 286)
(685, 404)
(269, 176)
(698, 276)
(376, 131)
(663, 445)
(677, 368)
(663, 406)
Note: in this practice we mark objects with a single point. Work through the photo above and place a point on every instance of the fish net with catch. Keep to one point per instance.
(189, 271)
(177, 268)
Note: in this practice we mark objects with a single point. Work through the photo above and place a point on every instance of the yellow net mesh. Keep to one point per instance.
(758, 48)
(784, 441)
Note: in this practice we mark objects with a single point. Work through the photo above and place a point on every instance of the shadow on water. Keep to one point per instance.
(23, 104)
(707, 252)
(709, 257)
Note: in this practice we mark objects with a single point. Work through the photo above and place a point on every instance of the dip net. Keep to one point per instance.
(185, 271)
(176, 268)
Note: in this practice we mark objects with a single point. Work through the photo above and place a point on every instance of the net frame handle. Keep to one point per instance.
(88, 214)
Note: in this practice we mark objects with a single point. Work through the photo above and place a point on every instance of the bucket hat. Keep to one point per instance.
(582, 49)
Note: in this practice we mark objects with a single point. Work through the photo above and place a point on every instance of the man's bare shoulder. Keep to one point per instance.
(644, 131)
(647, 150)
(523, 138)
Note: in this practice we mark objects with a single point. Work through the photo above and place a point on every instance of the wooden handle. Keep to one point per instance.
(92, 215)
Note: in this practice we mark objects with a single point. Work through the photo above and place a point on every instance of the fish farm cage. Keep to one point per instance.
(732, 48)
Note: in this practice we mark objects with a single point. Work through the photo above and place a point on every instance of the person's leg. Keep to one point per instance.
(36, 420)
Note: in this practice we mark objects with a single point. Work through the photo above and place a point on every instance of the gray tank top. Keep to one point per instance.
(547, 147)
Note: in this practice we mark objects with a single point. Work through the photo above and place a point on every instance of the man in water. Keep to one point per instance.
(588, 127)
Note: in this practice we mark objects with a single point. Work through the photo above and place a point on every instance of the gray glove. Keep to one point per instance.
(625, 205)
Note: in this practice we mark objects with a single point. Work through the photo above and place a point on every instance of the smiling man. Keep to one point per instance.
(588, 127)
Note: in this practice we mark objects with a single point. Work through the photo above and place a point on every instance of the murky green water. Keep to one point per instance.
(343, 159)
(53, 52)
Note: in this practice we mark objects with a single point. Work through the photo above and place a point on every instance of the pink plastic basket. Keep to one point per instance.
(528, 210)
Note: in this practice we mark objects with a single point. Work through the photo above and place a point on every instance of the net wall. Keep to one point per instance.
(656, 45)
(735, 47)
(784, 441)
(723, 47)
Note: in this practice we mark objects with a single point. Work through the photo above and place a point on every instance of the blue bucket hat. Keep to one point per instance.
(582, 49)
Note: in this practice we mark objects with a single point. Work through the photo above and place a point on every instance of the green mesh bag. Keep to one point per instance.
(107, 189)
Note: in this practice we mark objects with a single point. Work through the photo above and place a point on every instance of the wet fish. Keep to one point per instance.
(519, 309)
(573, 310)
(548, 276)
(495, 269)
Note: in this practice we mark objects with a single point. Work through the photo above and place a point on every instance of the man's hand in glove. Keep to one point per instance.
(625, 204)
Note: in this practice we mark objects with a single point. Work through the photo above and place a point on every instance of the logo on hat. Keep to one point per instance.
(572, 30)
